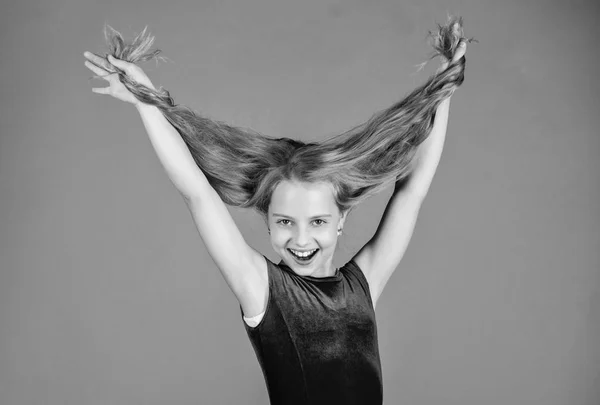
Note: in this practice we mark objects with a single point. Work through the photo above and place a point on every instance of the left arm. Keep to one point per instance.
(381, 255)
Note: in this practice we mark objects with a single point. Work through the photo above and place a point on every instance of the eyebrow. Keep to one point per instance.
(316, 216)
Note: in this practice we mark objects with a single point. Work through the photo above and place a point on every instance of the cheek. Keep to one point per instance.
(326, 237)
(330, 240)
(280, 238)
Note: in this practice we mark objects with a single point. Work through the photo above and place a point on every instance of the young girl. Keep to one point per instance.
(312, 326)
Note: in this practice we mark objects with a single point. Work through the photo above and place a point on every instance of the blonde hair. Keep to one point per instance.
(244, 166)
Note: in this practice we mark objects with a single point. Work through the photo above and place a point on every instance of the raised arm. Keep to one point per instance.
(243, 268)
(379, 257)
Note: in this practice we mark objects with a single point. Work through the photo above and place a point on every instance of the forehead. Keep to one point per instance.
(302, 199)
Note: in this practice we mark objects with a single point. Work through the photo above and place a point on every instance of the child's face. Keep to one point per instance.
(304, 217)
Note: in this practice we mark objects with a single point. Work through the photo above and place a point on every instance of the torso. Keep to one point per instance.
(317, 339)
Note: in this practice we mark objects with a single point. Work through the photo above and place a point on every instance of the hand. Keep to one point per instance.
(460, 52)
(108, 70)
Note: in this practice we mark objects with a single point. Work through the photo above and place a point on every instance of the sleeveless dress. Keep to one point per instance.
(317, 340)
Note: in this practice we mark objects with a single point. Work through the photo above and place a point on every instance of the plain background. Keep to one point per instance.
(107, 294)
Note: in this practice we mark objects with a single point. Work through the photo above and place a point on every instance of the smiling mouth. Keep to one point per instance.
(303, 256)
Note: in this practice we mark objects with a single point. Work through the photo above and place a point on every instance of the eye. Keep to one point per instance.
(321, 221)
(281, 221)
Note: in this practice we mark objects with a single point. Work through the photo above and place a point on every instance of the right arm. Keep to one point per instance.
(173, 153)
(244, 269)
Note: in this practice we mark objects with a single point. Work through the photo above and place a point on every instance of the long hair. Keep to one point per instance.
(244, 166)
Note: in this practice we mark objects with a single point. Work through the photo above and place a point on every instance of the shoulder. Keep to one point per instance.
(361, 262)
(355, 276)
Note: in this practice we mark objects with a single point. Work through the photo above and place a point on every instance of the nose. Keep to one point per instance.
(302, 237)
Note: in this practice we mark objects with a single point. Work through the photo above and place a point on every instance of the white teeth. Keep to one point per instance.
(303, 254)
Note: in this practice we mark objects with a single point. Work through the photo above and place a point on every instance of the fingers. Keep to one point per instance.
(99, 71)
(107, 64)
(97, 60)
(459, 53)
(101, 90)
(119, 63)
(110, 70)
(460, 50)
(103, 74)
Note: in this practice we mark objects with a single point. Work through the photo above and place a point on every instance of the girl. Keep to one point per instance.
(311, 325)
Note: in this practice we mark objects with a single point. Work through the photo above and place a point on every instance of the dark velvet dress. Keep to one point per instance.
(317, 341)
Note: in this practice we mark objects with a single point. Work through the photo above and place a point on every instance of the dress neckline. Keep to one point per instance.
(336, 277)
